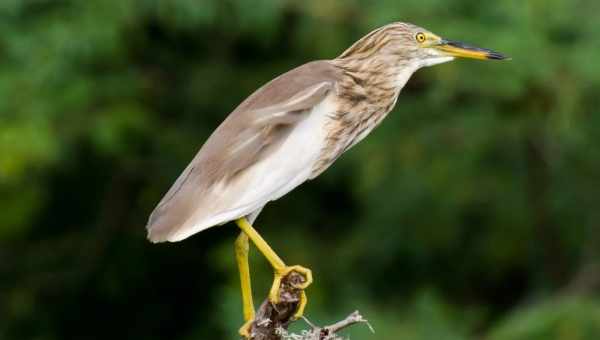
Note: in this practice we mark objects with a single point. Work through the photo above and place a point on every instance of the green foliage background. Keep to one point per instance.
(471, 213)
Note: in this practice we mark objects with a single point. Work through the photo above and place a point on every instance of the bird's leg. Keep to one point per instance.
(241, 256)
(279, 267)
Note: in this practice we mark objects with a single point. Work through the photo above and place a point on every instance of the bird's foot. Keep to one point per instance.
(301, 306)
(280, 274)
(245, 329)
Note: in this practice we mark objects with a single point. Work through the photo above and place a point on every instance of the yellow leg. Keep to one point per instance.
(241, 255)
(279, 267)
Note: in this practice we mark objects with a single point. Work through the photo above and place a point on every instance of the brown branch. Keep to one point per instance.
(272, 321)
(270, 318)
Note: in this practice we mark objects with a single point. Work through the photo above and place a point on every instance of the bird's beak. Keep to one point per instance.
(458, 49)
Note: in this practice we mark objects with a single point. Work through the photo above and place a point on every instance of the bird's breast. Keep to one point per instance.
(349, 123)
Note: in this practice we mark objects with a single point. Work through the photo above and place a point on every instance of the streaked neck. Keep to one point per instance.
(378, 70)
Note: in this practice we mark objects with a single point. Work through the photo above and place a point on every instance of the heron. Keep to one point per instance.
(288, 132)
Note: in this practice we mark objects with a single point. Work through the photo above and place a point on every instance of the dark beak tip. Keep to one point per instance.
(489, 54)
(497, 56)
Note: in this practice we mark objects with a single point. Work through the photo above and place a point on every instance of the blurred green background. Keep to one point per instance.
(471, 213)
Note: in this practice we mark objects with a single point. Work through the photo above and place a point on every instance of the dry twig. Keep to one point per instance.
(272, 321)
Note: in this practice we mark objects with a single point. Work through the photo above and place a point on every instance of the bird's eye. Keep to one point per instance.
(420, 37)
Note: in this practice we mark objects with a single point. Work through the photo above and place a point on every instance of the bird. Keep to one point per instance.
(290, 131)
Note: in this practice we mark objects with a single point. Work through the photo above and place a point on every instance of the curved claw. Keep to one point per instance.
(283, 272)
(301, 306)
(308, 278)
(245, 329)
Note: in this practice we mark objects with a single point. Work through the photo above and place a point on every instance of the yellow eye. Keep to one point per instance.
(420, 37)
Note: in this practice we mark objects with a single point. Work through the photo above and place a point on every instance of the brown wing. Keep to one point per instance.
(252, 131)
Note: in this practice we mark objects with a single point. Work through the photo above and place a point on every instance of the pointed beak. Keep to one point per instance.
(458, 49)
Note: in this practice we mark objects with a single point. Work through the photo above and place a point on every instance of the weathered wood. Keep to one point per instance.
(272, 321)
(270, 318)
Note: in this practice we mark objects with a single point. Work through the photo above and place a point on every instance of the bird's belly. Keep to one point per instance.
(292, 163)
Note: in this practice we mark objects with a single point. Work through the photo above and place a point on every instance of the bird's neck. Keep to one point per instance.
(366, 93)
(377, 71)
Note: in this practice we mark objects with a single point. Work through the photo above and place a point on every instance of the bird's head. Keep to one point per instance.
(410, 45)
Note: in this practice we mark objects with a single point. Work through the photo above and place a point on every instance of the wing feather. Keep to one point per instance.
(251, 132)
